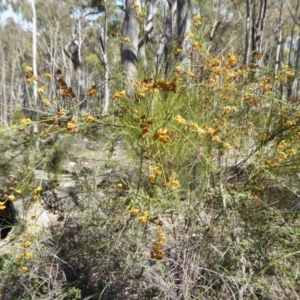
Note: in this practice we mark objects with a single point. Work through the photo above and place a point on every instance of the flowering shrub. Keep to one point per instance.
(213, 143)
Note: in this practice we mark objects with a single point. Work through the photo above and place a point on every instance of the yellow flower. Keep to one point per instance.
(281, 146)
(26, 244)
(180, 120)
(11, 197)
(33, 216)
(48, 75)
(227, 146)
(28, 69)
(25, 120)
(211, 131)
(46, 101)
(289, 123)
(175, 184)
(161, 237)
(232, 58)
(135, 5)
(144, 217)
(162, 134)
(194, 127)
(118, 95)
(28, 255)
(89, 118)
(197, 18)
(2, 205)
(195, 44)
(283, 155)
(151, 177)
(70, 126)
(228, 109)
(62, 112)
(200, 131)
(216, 139)
(190, 35)
(119, 185)
(134, 211)
(191, 74)
(158, 170)
(24, 269)
(37, 190)
(126, 40)
(91, 92)
(19, 191)
(292, 151)
(178, 69)
(41, 89)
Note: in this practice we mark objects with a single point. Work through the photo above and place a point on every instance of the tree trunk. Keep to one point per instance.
(184, 9)
(3, 87)
(130, 36)
(73, 51)
(279, 38)
(34, 69)
(148, 31)
(163, 53)
(254, 29)
(247, 33)
(103, 47)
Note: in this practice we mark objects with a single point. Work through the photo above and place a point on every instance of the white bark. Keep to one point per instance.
(103, 47)
(279, 38)
(255, 20)
(184, 8)
(34, 69)
(247, 33)
(130, 30)
(3, 86)
(148, 31)
(163, 53)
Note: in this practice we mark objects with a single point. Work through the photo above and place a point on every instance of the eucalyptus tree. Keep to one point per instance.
(73, 48)
(136, 34)
(130, 39)
(163, 53)
(34, 60)
(183, 23)
(255, 20)
(105, 63)
(148, 31)
(3, 94)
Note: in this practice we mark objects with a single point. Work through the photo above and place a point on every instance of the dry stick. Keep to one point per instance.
(212, 34)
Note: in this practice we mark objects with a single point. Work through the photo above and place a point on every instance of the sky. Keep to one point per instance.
(8, 14)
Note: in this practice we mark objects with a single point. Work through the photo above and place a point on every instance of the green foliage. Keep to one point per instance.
(99, 4)
(73, 294)
(113, 27)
